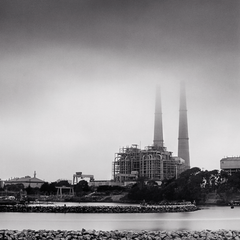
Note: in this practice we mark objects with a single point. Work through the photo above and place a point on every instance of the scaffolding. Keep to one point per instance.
(126, 163)
(152, 163)
(157, 163)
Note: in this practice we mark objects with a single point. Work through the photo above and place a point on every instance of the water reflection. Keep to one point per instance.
(213, 218)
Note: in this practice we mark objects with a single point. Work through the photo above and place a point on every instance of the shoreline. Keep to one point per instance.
(123, 235)
(100, 209)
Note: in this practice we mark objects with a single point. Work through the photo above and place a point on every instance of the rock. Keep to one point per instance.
(123, 235)
(100, 209)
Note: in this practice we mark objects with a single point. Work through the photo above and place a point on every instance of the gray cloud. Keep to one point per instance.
(81, 75)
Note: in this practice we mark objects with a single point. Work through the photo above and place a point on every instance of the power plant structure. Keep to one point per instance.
(183, 145)
(155, 162)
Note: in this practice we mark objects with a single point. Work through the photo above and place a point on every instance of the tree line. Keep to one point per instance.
(80, 189)
(192, 185)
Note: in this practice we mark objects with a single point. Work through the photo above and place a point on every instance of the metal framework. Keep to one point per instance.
(78, 175)
(60, 192)
(153, 163)
(126, 163)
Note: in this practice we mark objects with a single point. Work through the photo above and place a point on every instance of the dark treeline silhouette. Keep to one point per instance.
(192, 185)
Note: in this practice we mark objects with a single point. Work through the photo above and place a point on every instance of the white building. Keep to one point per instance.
(230, 164)
(27, 181)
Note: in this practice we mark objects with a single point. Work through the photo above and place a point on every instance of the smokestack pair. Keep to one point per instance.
(183, 140)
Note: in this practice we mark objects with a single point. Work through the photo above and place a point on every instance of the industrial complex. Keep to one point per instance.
(155, 162)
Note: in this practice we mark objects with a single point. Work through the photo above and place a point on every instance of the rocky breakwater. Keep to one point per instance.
(121, 235)
(100, 209)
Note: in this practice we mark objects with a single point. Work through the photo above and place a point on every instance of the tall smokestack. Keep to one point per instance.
(158, 129)
(183, 144)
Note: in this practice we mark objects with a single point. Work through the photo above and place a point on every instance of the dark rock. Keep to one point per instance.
(123, 235)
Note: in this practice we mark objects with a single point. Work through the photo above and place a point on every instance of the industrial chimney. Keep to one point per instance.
(158, 129)
(183, 144)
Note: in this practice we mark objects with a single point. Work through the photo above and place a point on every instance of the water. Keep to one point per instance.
(213, 218)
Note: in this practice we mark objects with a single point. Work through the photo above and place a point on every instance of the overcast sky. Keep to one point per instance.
(78, 79)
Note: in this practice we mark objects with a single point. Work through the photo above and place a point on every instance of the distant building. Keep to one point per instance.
(230, 164)
(1, 183)
(97, 183)
(27, 181)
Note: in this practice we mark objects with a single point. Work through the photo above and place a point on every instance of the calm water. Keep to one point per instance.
(212, 218)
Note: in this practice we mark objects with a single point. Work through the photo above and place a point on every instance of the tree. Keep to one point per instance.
(186, 187)
(62, 183)
(29, 190)
(137, 193)
(14, 187)
(169, 191)
(81, 186)
(45, 188)
(152, 183)
(192, 185)
(52, 188)
(190, 172)
(150, 192)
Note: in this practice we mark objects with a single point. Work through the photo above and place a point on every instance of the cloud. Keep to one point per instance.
(78, 81)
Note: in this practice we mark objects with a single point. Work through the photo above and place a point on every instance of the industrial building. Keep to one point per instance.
(27, 181)
(155, 162)
(230, 164)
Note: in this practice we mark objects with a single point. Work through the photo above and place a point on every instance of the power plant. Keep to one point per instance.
(155, 162)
